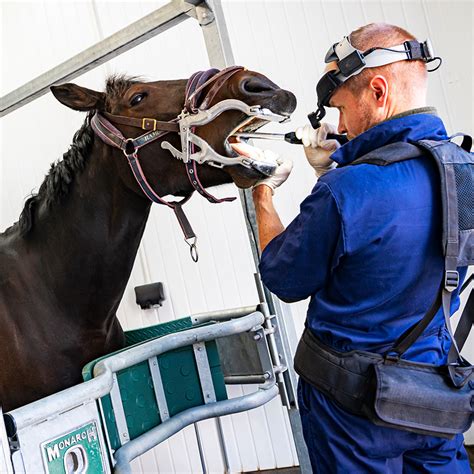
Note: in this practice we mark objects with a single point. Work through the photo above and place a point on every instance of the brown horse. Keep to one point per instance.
(66, 262)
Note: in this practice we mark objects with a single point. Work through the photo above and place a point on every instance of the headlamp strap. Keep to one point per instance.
(417, 50)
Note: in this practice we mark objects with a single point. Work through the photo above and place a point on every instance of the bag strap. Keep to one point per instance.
(465, 322)
(460, 371)
(408, 338)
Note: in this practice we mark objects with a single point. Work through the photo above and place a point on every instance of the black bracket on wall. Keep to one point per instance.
(150, 296)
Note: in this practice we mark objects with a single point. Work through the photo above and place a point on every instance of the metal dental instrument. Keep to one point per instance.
(289, 137)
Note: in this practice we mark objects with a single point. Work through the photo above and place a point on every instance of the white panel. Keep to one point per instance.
(38, 35)
(452, 26)
(244, 437)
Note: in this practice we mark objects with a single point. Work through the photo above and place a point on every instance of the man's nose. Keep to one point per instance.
(341, 128)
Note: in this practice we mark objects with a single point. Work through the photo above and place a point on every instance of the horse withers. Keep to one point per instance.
(66, 262)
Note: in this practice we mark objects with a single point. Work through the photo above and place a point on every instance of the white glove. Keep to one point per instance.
(281, 173)
(317, 147)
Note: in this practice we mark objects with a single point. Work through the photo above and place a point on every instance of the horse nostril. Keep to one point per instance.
(255, 85)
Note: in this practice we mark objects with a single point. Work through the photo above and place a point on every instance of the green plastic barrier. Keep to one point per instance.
(179, 375)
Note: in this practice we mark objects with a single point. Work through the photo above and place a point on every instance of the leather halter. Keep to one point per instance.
(109, 134)
(193, 94)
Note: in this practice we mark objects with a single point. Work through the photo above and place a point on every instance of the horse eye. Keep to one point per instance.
(137, 98)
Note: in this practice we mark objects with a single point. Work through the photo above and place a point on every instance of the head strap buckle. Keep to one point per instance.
(149, 124)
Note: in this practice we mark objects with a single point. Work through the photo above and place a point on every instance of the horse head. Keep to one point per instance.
(164, 101)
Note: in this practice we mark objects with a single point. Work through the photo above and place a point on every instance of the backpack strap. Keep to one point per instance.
(391, 153)
(466, 143)
(442, 152)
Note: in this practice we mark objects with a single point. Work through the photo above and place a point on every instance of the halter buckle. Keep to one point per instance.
(147, 123)
(129, 148)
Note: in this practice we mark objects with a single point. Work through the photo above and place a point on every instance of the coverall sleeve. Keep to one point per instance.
(297, 263)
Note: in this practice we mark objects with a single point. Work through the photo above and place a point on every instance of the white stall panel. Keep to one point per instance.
(285, 40)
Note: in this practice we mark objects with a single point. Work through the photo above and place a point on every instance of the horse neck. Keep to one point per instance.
(87, 243)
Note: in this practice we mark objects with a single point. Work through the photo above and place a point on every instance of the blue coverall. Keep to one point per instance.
(366, 248)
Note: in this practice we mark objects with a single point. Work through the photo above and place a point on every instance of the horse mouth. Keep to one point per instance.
(248, 125)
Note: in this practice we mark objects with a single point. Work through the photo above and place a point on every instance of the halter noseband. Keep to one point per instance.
(195, 113)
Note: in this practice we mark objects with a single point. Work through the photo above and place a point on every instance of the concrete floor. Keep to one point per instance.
(296, 470)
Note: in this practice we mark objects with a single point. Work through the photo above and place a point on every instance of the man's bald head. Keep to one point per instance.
(408, 78)
(378, 93)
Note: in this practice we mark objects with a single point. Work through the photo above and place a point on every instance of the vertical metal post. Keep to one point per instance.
(5, 456)
(200, 449)
(224, 453)
(211, 18)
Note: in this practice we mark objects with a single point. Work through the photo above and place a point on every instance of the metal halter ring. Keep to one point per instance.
(193, 248)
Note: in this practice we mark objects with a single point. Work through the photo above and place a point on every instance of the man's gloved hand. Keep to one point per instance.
(281, 175)
(317, 147)
(282, 172)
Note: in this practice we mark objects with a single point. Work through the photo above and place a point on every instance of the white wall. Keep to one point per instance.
(285, 40)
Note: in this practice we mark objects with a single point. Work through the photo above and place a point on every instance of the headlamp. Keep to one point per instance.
(350, 61)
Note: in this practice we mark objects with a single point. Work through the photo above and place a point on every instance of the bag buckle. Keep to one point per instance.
(451, 280)
(392, 357)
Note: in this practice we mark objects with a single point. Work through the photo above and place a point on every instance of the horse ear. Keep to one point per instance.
(77, 97)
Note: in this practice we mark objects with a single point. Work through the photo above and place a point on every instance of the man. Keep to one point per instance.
(366, 249)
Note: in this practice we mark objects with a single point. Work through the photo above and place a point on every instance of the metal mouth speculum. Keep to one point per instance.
(207, 154)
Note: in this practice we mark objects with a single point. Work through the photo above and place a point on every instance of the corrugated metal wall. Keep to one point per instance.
(285, 40)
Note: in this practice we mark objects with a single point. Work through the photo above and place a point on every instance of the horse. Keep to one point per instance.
(66, 262)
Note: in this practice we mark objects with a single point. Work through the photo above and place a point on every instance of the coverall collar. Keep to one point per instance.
(417, 124)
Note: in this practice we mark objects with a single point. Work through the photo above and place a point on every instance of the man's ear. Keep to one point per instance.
(77, 97)
(380, 89)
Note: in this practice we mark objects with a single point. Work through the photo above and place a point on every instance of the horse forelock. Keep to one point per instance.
(116, 86)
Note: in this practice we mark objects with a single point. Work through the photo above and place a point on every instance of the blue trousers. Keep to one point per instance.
(339, 442)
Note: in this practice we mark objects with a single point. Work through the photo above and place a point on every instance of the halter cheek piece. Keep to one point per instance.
(196, 112)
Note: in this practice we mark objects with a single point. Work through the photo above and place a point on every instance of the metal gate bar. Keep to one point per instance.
(123, 40)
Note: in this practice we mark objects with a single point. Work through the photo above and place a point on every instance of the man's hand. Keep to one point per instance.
(317, 147)
(281, 173)
(268, 222)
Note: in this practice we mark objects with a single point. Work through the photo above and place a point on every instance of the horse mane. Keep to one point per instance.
(60, 177)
